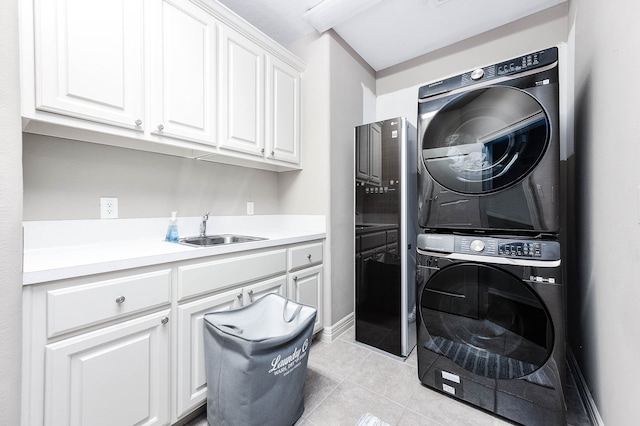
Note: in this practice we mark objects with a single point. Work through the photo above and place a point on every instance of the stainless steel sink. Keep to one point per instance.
(216, 240)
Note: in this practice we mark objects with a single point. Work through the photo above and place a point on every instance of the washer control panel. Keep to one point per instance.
(517, 248)
(521, 249)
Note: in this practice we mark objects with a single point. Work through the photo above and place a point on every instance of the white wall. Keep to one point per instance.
(64, 179)
(397, 87)
(603, 303)
(10, 217)
(350, 76)
(306, 191)
(334, 84)
(533, 32)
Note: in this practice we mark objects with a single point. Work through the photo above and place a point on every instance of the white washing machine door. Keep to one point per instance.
(485, 140)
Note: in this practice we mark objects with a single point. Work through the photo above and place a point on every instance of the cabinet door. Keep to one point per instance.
(362, 153)
(89, 59)
(241, 93)
(115, 376)
(183, 72)
(375, 152)
(305, 287)
(254, 292)
(192, 380)
(283, 111)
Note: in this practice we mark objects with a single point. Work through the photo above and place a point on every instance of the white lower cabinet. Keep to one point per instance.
(305, 286)
(97, 350)
(254, 292)
(126, 348)
(305, 277)
(118, 375)
(192, 381)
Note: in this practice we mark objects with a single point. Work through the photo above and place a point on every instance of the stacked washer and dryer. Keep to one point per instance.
(490, 294)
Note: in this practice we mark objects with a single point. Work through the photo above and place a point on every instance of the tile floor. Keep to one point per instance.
(346, 380)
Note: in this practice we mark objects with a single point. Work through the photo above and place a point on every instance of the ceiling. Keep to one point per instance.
(386, 32)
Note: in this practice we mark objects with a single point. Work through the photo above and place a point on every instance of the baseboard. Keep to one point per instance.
(329, 334)
(583, 389)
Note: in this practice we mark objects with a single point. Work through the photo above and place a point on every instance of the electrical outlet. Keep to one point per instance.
(108, 208)
(250, 208)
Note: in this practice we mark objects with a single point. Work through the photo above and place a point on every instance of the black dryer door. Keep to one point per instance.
(486, 320)
(485, 140)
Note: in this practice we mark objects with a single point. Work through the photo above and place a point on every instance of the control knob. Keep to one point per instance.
(477, 74)
(477, 245)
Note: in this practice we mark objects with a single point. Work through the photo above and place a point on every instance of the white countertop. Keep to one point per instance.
(57, 250)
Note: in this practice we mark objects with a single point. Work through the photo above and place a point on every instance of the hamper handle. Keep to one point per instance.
(295, 313)
(232, 327)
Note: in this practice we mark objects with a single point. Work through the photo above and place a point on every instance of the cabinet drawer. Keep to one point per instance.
(303, 256)
(374, 240)
(392, 236)
(79, 306)
(238, 270)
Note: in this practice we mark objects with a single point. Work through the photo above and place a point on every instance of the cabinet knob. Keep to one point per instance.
(120, 300)
(262, 150)
(160, 127)
(309, 256)
(273, 153)
(239, 296)
(295, 278)
(164, 320)
(250, 293)
(138, 122)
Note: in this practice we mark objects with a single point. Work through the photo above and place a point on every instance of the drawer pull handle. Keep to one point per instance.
(250, 292)
(164, 320)
(120, 300)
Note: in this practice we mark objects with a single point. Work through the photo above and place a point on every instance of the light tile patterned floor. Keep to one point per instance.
(346, 380)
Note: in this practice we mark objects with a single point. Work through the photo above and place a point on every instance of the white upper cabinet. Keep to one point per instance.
(179, 77)
(89, 60)
(241, 93)
(283, 107)
(260, 100)
(183, 71)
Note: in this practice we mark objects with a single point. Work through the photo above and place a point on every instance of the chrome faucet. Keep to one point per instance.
(203, 225)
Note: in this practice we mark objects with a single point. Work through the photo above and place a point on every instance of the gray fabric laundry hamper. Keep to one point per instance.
(256, 362)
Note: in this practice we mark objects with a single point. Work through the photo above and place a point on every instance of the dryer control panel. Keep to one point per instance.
(536, 249)
(506, 68)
